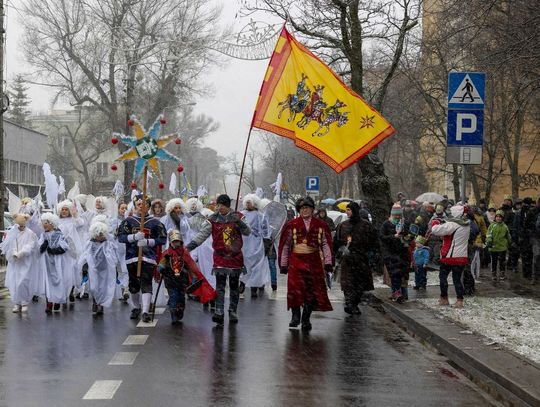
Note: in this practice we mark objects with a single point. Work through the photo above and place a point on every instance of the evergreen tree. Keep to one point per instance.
(18, 101)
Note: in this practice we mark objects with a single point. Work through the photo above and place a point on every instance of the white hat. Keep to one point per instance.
(173, 203)
(65, 204)
(194, 205)
(49, 217)
(98, 229)
(254, 199)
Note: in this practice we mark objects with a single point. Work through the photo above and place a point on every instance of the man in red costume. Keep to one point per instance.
(305, 254)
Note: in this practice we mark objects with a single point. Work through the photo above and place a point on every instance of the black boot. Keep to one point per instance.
(174, 316)
(306, 314)
(295, 320)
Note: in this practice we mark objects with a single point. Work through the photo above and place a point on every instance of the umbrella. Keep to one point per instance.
(336, 216)
(328, 201)
(429, 197)
(343, 205)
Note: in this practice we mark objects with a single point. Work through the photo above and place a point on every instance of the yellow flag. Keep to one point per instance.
(303, 99)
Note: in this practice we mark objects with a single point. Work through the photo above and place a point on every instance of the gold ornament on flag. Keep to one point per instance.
(303, 99)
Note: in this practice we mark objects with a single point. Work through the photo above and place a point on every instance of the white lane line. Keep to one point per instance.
(135, 340)
(102, 390)
(160, 310)
(123, 358)
(142, 324)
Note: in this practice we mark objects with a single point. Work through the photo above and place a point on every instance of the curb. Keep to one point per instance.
(503, 374)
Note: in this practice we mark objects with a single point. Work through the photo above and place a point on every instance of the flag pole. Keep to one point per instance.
(242, 170)
(143, 212)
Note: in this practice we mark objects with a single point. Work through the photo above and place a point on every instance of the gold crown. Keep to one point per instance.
(175, 235)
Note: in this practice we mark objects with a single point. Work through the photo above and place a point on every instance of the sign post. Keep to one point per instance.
(465, 129)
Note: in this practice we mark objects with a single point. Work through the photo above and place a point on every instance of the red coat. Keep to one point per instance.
(306, 276)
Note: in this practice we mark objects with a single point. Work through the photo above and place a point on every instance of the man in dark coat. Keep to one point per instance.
(354, 239)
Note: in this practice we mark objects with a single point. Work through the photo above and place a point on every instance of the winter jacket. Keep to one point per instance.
(421, 256)
(455, 234)
(498, 237)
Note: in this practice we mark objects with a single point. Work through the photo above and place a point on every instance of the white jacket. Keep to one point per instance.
(455, 234)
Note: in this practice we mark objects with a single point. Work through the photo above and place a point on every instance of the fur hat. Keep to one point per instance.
(49, 217)
(254, 199)
(224, 200)
(420, 239)
(102, 199)
(98, 229)
(173, 203)
(457, 211)
(65, 204)
(193, 205)
(307, 201)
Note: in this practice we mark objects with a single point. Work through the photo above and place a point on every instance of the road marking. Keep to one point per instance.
(142, 324)
(102, 390)
(160, 310)
(123, 358)
(135, 340)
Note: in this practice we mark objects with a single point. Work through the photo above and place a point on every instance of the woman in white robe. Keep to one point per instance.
(255, 261)
(55, 251)
(21, 251)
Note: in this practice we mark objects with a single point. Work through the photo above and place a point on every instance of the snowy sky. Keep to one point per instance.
(236, 86)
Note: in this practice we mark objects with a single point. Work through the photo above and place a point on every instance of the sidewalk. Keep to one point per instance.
(495, 339)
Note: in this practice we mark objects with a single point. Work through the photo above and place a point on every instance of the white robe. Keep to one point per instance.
(58, 277)
(70, 229)
(255, 261)
(205, 260)
(101, 259)
(38, 282)
(21, 272)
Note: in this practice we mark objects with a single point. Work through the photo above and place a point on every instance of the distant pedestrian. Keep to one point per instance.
(497, 241)
(421, 259)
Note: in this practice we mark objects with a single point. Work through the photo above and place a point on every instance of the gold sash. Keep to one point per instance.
(302, 248)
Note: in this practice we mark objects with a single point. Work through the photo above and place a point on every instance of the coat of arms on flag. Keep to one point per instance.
(303, 99)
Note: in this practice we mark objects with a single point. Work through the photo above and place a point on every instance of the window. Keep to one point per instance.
(32, 174)
(63, 143)
(23, 173)
(102, 169)
(7, 178)
(14, 170)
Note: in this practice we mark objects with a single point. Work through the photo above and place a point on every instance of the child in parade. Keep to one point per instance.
(178, 270)
(498, 241)
(20, 249)
(421, 259)
(59, 274)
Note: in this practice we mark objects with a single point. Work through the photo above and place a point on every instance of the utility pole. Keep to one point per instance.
(2, 187)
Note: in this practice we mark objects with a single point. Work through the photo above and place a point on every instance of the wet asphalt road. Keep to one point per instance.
(345, 361)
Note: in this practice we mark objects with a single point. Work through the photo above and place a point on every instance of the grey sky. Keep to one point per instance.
(236, 85)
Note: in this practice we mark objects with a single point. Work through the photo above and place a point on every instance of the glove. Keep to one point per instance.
(328, 268)
(56, 251)
(191, 246)
(43, 246)
(15, 255)
(138, 236)
(435, 222)
(283, 270)
(142, 243)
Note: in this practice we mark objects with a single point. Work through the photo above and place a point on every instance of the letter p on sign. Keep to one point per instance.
(466, 124)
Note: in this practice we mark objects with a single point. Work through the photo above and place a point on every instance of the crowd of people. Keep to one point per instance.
(98, 250)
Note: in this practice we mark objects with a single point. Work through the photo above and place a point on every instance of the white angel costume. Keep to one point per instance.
(21, 250)
(69, 227)
(101, 259)
(258, 271)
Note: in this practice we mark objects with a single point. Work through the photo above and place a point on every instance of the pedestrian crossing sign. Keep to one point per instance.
(466, 90)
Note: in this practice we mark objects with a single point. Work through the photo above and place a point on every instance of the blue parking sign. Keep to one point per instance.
(312, 184)
(465, 127)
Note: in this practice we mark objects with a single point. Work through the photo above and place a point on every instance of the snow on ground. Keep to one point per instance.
(512, 322)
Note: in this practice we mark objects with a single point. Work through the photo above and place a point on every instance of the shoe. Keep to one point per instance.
(71, 297)
(306, 323)
(423, 288)
(146, 317)
(458, 304)
(56, 308)
(443, 301)
(348, 309)
(218, 318)
(233, 317)
(24, 308)
(356, 310)
(397, 297)
(416, 287)
(295, 320)
(135, 312)
(180, 314)
(253, 292)
(94, 309)
(125, 294)
(261, 290)
(49, 308)
(241, 288)
(35, 298)
(274, 287)
(494, 279)
(16, 309)
(85, 296)
(503, 277)
(99, 310)
(174, 317)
